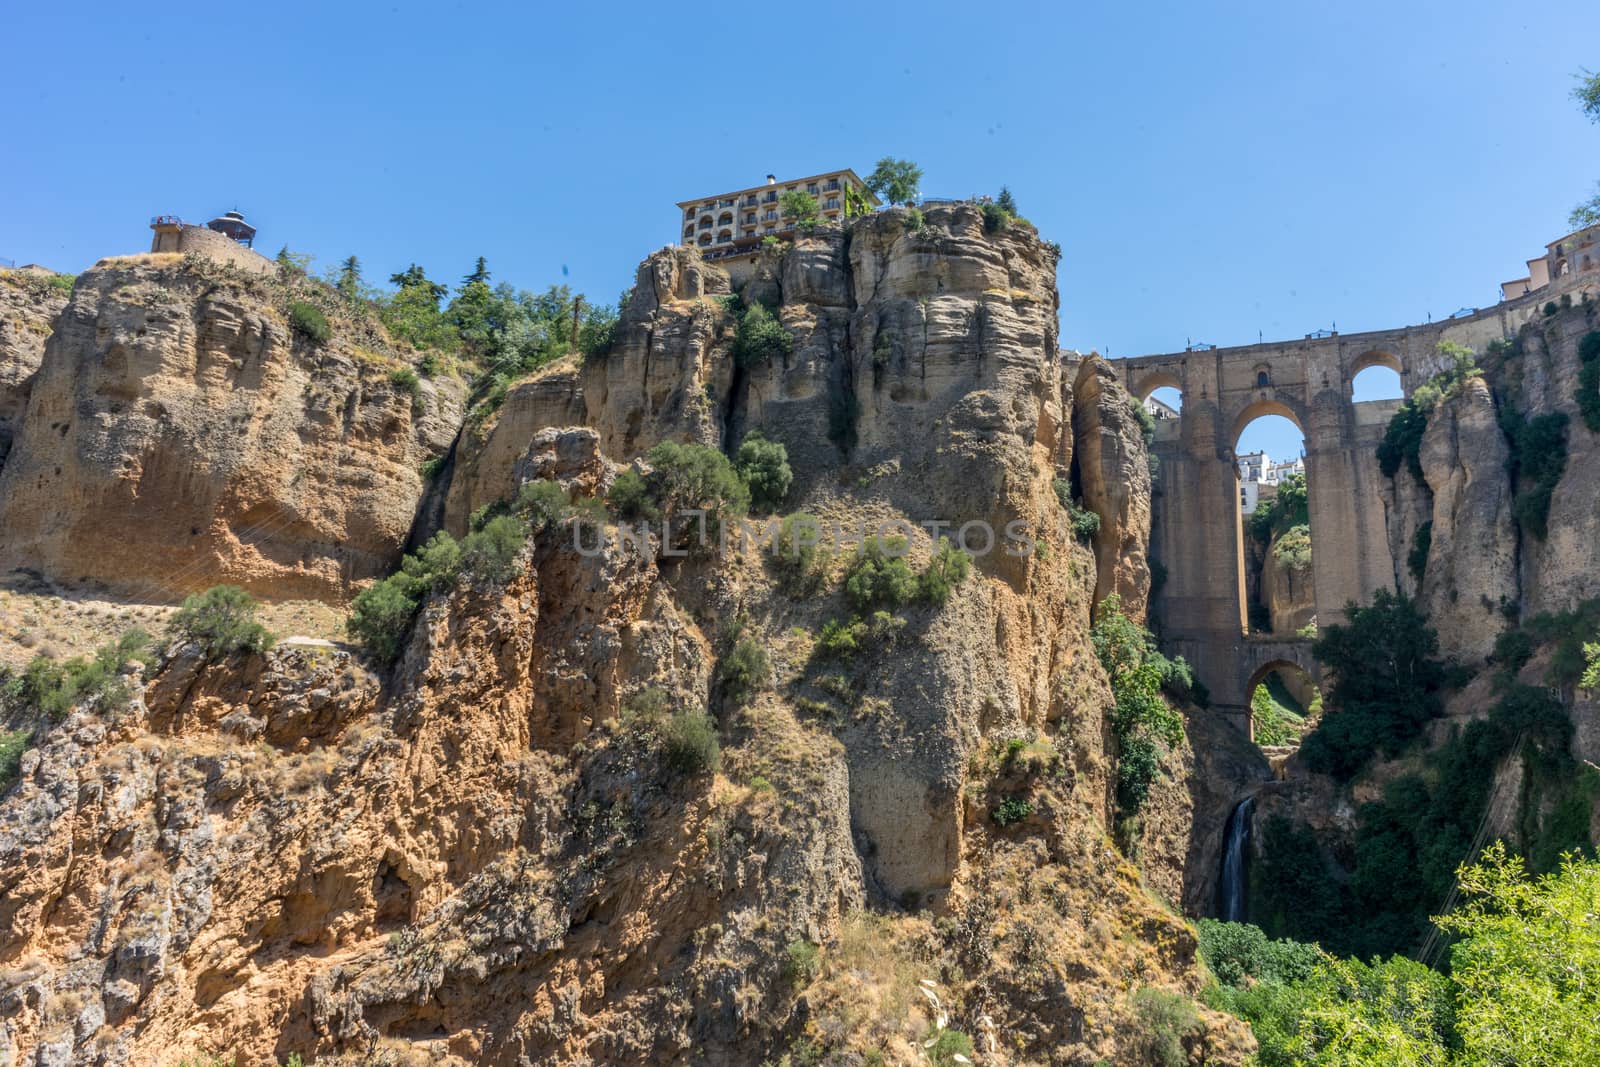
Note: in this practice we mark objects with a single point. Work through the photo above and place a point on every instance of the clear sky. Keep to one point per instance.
(1264, 167)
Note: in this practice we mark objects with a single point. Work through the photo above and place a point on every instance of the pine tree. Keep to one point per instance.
(350, 278)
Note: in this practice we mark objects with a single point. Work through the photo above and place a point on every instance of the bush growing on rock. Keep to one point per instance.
(689, 742)
(542, 502)
(491, 554)
(222, 621)
(381, 615)
(948, 568)
(309, 322)
(879, 577)
(760, 337)
(800, 560)
(49, 690)
(1140, 718)
(764, 466)
(13, 743)
(745, 670)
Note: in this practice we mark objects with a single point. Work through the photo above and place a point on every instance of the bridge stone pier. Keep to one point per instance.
(1197, 534)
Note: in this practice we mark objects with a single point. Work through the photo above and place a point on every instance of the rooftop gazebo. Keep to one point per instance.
(232, 224)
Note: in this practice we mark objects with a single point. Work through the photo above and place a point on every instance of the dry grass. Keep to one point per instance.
(60, 621)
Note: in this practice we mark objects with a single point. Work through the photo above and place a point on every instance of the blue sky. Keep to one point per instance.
(1258, 167)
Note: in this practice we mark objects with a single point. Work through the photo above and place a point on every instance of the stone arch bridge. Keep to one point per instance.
(1197, 534)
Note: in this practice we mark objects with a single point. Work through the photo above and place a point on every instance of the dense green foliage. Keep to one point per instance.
(1273, 719)
(1293, 548)
(309, 322)
(760, 337)
(1523, 986)
(799, 558)
(1402, 440)
(745, 670)
(1386, 684)
(764, 466)
(222, 621)
(1141, 719)
(48, 690)
(879, 577)
(1409, 841)
(491, 553)
(800, 206)
(1287, 509)
(1162, 1021)
(1565, 632)
(13, 743)
(1538, 459)
(1085, 523)
(947, 568)
(1421, 544)
(1588, 396)
(689, 742)
(895, 180)
(684, 477)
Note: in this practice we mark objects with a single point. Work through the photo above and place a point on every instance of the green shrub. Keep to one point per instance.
(948, 568)
(309, 322)
(800, 560)
(1162, 1020)
(914, 219)
(1421, 543)
(1512, 650)
(543, 503)
(689, 742)
(879, 577)
(764, 466)
(13, 743)
(1386, 685)
(946, 1045)
(684, 477)
(630, 497)
(381, 615)
(802, 964)
(1538, 459)
(405, 379)
(1566, 630)
(1402, 439)
(745, 670)
(995, 218)
(492, 555)
(1293, 548)
(760, 337)
(1140, 719)
(1288, 509)
(222, 621)
(1237, 951)
(1011, 810)
(841, 638)
(49, 689)
(1588, 396)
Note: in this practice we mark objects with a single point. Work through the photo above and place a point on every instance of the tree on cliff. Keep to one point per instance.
(1588, 96)
(479, 275)
(349, 282)
(896, 180)
(412, 280)
(801, 207)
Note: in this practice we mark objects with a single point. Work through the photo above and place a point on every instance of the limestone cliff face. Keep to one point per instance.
(29, 304)
(1472, 562)
(1286, 590)
(485, 858)
(178, 434)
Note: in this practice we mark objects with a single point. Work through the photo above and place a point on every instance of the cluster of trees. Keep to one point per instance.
(502, 330)
(1523, 985)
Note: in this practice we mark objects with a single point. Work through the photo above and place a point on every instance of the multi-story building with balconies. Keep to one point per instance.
(734, 224)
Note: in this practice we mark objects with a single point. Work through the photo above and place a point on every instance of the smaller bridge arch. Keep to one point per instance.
(1269, 402)
(1260, 657)
(1164, 378)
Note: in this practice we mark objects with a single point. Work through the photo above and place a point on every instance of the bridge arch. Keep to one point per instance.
(1275, 404)
(1161, 379)
(1265, 658)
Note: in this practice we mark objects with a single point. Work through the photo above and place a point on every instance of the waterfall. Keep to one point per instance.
(1232, 887)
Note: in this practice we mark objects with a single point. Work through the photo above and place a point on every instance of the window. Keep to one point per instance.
(689, 214)
(750, 218)
(770, 198)
(833, 202)
(770, 216)
(726, 219)
(770, 229)
(688, 231)
(1262, 381)
(833, 185)
(705, 223)
(812, 188)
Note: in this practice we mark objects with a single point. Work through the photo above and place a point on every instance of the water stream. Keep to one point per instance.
(1232, 887)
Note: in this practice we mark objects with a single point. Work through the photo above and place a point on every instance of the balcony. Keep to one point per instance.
(705, 224)
(832, 187)
(770, 198)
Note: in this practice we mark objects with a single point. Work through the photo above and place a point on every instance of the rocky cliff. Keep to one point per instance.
(482, 855)
(179, 433)
(30, 300)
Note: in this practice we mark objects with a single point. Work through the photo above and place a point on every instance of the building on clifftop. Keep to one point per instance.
(1570, 263)
(734, 224)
